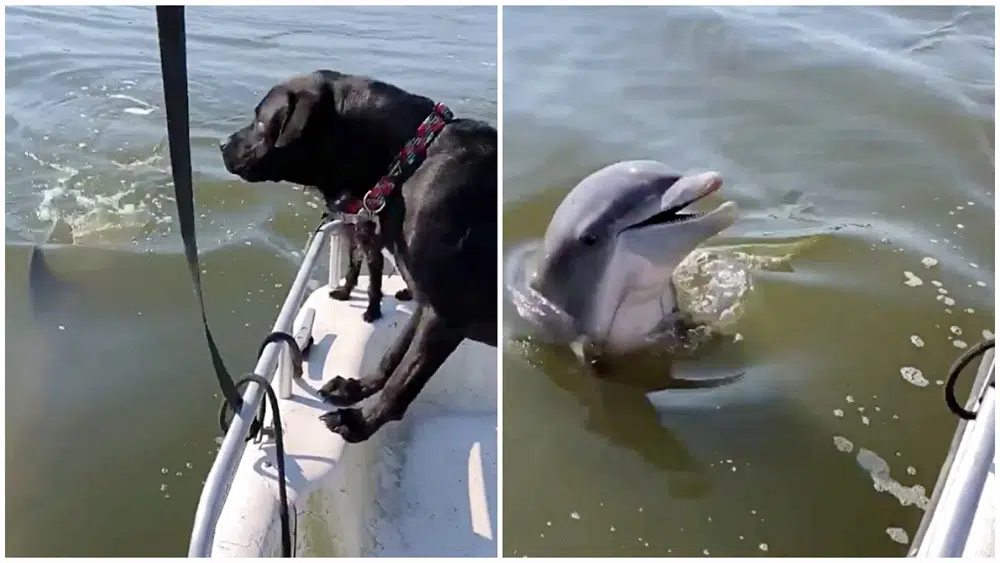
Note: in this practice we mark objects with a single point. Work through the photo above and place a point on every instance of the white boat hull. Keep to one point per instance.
(424, 486)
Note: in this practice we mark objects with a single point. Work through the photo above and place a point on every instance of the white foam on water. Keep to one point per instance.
(882, 481)
(929, 262)
(138, 163)
(898, 535)
(843, 444)
(917, 341)
(913, 376)
(957, 331)
(144, 109)
(912, 280)
(960, 344)
(78, 202)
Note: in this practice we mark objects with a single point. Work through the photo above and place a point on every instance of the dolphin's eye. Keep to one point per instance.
(589, 240)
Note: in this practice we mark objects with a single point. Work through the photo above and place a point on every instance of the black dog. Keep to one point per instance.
(364, 243)
(342, 134)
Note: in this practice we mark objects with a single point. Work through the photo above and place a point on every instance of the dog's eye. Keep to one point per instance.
(589, 240)
(259, 126)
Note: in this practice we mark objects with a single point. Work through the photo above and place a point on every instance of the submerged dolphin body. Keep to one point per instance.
(609, 253)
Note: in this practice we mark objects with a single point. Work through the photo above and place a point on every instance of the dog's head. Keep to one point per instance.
(287, 127)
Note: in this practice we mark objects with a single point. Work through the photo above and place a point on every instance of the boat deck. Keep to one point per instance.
(424, 486)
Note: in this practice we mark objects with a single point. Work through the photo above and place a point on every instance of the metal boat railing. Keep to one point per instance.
(275, 359)
(947, 526)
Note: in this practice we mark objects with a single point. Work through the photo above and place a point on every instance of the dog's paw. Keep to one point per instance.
(341, 391)
(349, 423)
(372, 314)
(341, 293)
(404, 295)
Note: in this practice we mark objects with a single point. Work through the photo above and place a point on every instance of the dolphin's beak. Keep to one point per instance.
(689, 189)
(679, 196)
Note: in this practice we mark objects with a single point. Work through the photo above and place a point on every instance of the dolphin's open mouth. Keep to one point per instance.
(708, 183)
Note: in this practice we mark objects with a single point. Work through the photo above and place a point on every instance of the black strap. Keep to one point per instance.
(173, 62)
(956, 369)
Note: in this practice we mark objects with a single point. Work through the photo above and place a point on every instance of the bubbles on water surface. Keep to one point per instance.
(882, 481)
(898, 535)
(843, 444)
(912, 280)
(913, 376)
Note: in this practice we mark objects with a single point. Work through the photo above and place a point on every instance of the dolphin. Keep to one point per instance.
(610, 250)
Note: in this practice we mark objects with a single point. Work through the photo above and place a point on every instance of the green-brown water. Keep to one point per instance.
(110, 399)
(858, 142)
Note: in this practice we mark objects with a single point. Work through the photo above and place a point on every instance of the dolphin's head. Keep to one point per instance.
(612, 246)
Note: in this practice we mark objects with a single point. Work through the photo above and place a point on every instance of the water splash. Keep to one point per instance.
(117, 215)
(543, 318)
(713, 285)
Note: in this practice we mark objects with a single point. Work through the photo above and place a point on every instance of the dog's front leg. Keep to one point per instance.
(343, 391)
(376, 263)
(343, 291)
(434, 340)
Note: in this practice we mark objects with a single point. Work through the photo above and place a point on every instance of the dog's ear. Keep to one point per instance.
(303, 102)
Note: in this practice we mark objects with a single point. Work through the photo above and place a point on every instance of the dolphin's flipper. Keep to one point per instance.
(706, 383)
